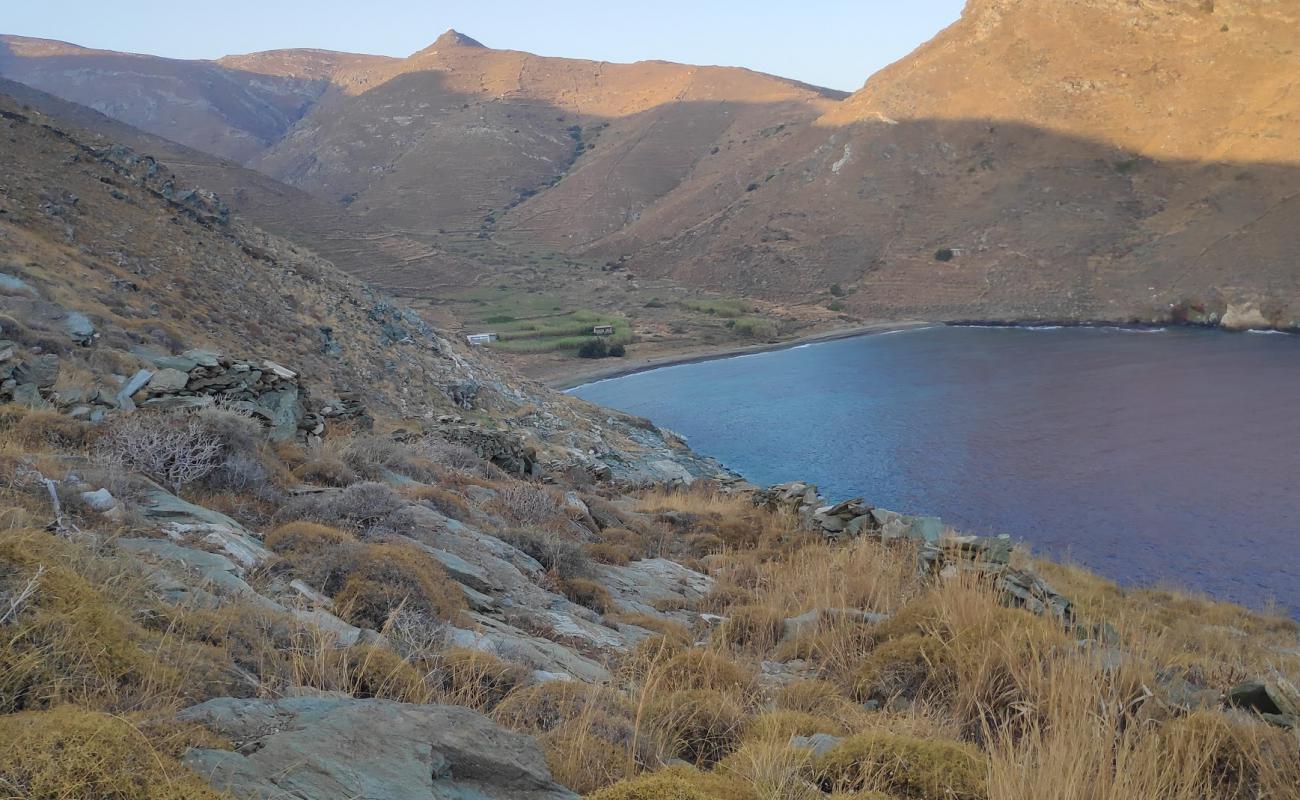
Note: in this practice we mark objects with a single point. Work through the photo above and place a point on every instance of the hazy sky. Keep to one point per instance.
(836, 43)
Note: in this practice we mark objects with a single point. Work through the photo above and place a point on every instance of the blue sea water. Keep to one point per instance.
(1152, 456)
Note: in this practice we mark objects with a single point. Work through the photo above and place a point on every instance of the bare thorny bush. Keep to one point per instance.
(217, 443)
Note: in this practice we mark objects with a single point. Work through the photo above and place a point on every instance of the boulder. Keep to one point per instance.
(79, 327)
(42, 371)
(100, 500)
(168, 381)
(1271, 698)
(13, 285)
(134, 384)
(331, 748)
(819, 743)
(1244, 317)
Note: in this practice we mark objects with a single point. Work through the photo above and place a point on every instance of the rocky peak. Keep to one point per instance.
(453, 38)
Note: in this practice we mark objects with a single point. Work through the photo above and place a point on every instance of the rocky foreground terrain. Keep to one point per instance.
(266, 533)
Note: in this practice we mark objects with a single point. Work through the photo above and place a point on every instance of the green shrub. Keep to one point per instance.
(656, 786)
(476, 679)
(755, 327)
(70, 642)
(899, 667)
(701, 669)
(593, 348)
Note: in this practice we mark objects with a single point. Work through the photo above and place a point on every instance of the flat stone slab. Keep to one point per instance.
(331, 748)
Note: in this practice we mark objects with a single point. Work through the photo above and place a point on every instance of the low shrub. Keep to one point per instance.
(723, 596)
(754, 627)
(524, 504)
(557, 553)
(318, 554)
(585, 762)
(779, 726)
(655, 786)
(443, 501)
(904, 767)
(326, 471)
(702, 669)
(386, 577)
(68, 642)
(175, 449)
(618, 555)
(898, 668)
(73, 753)
(671, 630)
(360, 507)
(810, 697)
(373, 457)
(39, 428)
(364, 671)
(698, 725)
(476, 679)
(588, 593)
(588, 732)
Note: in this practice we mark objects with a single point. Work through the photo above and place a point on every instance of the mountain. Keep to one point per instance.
(446, 138)
(1095, 159)
(1091, 160)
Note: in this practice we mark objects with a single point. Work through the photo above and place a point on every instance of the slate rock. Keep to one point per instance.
(42, 371)
(79, 327)
(168, 381)
(331, 748)
(819, 743)
(134, 384)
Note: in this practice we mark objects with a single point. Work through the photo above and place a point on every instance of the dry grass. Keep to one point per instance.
(68, 753)
(975, 699)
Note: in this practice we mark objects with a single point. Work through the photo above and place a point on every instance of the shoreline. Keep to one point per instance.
(582, 377)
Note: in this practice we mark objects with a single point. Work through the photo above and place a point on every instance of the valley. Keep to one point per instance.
(273, 525)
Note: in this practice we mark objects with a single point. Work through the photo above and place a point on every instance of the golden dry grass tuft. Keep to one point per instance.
(67, 753)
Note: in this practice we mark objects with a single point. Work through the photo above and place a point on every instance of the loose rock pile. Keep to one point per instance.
(940, 552)
(268, 391)
(507, 450)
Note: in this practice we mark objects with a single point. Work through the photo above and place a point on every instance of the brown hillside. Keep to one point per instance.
(228, 112)
(1088, 159)
(457, 133)
(1097, 159)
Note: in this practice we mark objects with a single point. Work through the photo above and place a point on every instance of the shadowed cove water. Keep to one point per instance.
(1166, 456)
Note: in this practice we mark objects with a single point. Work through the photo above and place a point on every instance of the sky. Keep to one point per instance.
(834, 43)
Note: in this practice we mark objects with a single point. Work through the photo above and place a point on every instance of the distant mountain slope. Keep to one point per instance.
(1038, 159)
(458, 133)
(325, 228)
(446, 139)
(227, 112)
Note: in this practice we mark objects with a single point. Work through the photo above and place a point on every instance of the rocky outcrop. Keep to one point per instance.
(1275, 699)
(941, 552)
(506, 450)
(328, 748)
